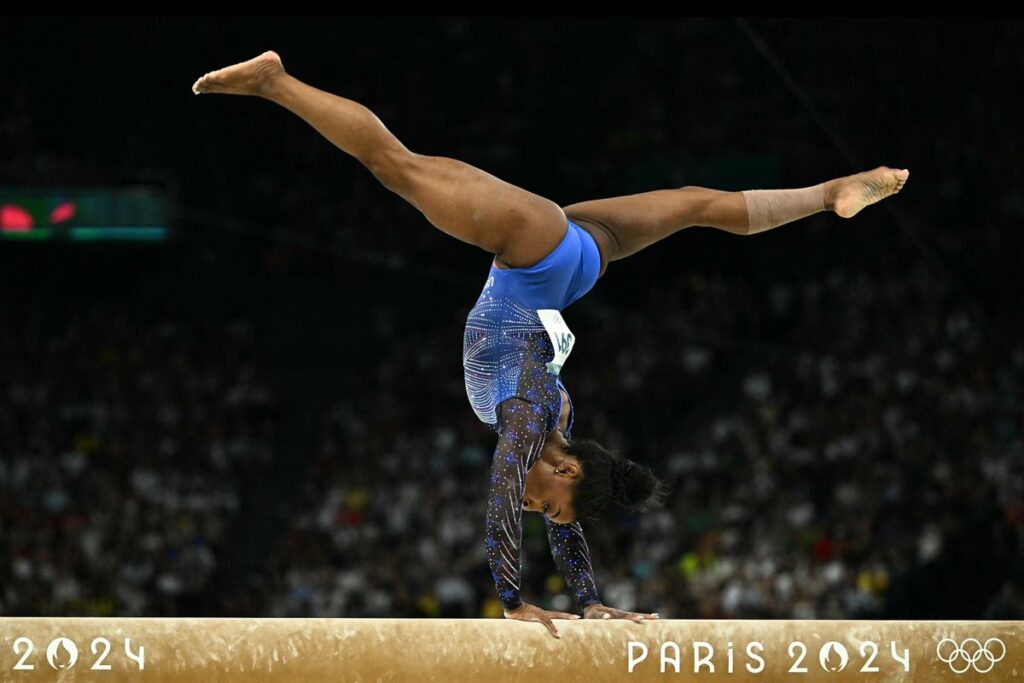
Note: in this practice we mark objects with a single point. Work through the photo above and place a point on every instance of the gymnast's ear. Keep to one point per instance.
(569, 467)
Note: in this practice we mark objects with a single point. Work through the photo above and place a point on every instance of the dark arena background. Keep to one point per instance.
(231, 361)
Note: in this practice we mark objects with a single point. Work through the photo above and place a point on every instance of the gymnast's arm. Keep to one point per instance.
(522, 429)
(569, 549)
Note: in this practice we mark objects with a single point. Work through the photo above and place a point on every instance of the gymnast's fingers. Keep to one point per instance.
(642, 616)
(542, 618)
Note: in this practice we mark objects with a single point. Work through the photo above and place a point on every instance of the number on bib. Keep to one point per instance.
(561, 338)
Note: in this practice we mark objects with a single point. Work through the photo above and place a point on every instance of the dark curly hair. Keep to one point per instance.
(608, 479)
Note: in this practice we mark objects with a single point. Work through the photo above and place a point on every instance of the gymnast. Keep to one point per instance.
(545, 258)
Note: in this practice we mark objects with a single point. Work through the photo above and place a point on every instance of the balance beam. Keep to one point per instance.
(73, 650)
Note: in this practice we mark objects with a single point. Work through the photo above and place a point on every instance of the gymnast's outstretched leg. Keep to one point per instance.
(519, 227)
(624, 225)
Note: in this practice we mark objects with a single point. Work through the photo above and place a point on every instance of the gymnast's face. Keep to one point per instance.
(549, 484)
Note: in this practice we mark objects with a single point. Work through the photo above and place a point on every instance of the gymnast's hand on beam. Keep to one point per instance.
(598, 611)
(528, 612)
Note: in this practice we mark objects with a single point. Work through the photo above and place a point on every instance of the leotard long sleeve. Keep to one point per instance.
(572, 556)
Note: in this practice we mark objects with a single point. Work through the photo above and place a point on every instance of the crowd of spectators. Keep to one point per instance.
(125, 447)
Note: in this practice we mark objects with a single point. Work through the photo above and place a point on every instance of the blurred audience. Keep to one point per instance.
(124, 444)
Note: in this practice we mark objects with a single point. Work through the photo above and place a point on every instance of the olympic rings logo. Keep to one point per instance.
(971, 653)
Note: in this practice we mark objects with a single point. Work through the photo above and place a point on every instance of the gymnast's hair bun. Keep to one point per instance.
(635, 486)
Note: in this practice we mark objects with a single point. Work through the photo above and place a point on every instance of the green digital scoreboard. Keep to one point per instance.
(104, 214)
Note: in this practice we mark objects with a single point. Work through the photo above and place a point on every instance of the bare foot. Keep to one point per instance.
(254, 77)
(847, 196)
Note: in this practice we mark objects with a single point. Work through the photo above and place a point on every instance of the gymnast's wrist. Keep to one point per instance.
(512, 607)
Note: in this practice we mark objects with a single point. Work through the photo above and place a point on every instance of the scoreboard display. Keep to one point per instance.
(132, 214)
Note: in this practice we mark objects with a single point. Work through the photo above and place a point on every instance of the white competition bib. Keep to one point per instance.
(561, 338)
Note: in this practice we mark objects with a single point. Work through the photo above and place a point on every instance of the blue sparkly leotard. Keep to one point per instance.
(506, 351)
